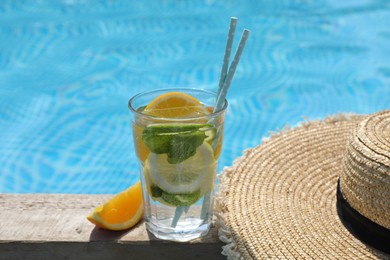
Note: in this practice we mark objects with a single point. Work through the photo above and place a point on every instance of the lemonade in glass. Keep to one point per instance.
(178, 140)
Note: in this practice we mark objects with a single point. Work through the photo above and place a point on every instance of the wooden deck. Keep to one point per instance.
(53, 226)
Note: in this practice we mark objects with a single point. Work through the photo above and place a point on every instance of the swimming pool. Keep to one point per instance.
(68, 68)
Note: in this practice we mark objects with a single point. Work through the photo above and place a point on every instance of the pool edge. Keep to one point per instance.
(54, 225)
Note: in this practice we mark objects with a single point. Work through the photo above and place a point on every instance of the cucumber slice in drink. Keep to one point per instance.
(182, 178)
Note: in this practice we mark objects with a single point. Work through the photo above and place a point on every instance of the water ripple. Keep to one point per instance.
(67, 69)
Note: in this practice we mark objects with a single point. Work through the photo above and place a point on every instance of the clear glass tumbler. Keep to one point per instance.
(178, 150)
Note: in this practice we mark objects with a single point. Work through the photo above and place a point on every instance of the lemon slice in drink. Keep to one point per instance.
(185, 177)
(176, 105)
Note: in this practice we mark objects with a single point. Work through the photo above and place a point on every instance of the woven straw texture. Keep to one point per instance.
(365, 181)
(279, 199)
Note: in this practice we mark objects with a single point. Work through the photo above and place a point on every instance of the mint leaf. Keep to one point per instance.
(183, 146)
(156, 142)
(156, 191)
(181, 199)
(174, 128)
(175, 199)
(179, 142)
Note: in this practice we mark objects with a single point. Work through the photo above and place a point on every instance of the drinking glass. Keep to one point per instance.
(178, 158)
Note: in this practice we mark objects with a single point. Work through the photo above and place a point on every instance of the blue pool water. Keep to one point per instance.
(68, 68)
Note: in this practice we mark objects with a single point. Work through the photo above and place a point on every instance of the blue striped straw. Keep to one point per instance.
(221, 95)
(224, 84)
(228, 49)
(179, 210)
(226, 80)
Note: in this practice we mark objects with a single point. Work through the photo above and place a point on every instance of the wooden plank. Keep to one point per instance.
(54, 225)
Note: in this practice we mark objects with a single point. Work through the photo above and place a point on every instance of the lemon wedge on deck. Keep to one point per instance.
(122, 211)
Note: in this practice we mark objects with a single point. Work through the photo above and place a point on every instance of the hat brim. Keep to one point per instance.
(279, 199)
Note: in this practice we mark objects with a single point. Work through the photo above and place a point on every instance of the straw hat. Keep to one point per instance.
(320, 190)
